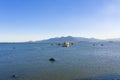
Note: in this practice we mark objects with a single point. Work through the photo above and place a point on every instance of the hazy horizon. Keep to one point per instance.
(31, 20)
(109, 39)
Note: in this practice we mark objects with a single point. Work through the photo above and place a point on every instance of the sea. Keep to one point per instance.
(80, 61)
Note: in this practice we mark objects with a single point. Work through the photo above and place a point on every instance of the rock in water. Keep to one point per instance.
(52, 59)
(102, 45)
(14, 76)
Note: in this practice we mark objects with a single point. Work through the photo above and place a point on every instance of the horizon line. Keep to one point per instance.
(53, 37)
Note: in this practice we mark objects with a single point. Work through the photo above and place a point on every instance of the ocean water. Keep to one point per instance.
(81, 61)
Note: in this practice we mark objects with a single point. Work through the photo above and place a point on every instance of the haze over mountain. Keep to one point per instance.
(70, 38)
(114, 39)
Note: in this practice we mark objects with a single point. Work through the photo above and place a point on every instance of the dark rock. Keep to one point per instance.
(59, 44)
(72, 43)
(14, 48)
(93, 44)
(102, 45)
(14, 76)
(52, 59)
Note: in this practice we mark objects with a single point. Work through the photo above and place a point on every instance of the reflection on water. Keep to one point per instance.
(82, 61)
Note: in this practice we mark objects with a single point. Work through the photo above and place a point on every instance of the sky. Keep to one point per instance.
(31, 20)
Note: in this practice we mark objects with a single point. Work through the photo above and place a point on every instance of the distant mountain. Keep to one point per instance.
(70, 39)
(115, 39)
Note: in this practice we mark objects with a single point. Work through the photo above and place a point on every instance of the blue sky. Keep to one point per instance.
(24, 20)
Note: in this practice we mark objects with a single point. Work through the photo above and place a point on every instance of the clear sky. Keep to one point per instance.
(24, 20)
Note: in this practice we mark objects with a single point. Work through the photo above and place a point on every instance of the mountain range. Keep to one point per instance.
(70, 39)
(115, 39)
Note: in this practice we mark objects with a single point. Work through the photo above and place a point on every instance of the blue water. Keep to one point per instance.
(81, 61)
